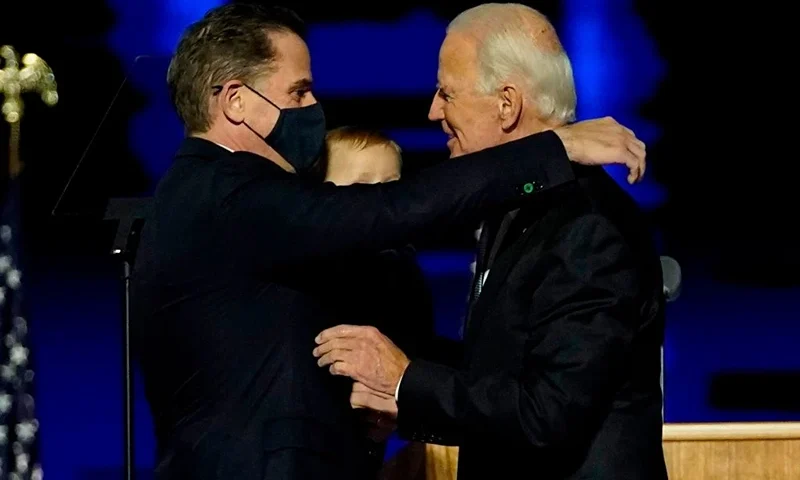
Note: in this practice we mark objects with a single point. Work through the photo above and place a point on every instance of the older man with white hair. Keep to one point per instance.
(560, 378)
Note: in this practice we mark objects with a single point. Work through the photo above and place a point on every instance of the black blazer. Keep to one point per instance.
(560, 378)
(387, 290)
(225, 309)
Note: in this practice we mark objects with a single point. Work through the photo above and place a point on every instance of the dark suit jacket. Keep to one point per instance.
(225, 312)
(560, 378)
(387, 290)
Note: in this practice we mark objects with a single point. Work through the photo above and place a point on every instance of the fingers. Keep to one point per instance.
(634, 153)
(343, 369)
(604, 142)
(359, 387)
(338, 331)
(335, 344)
(634, 167)
(345, 331)
(334, 356)
(373, 402)
(636, 149)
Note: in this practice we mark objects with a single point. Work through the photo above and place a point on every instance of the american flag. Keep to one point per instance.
(18, 424)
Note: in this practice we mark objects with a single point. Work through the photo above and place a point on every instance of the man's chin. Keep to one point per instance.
(454, 152)
(452, 146)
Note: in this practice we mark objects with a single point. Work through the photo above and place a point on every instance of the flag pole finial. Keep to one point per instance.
(34, 76)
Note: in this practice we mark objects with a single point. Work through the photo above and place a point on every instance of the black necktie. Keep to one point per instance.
(493, 232)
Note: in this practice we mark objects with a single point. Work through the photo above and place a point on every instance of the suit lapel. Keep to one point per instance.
(507, 247)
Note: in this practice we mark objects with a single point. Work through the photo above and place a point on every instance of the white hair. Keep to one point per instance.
(507, 49)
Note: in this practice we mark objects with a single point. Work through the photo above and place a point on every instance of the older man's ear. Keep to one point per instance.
(510, 103)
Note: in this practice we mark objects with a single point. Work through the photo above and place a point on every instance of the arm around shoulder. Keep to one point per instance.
(286, 217)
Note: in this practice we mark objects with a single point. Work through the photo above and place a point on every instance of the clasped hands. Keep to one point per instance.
(375, 364)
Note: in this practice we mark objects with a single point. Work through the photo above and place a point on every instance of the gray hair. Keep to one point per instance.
(508, 49)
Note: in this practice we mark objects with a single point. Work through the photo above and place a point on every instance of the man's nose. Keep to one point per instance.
(436, 112)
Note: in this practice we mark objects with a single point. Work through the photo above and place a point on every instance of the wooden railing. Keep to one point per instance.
(732, 451)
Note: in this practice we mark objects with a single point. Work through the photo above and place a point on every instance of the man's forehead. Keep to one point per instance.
(457, 57)
(292, 57)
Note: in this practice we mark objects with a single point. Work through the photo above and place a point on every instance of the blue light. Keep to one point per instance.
(420, 139)
(617, 68)
(453, 262)
(369, 58)
(153, 27)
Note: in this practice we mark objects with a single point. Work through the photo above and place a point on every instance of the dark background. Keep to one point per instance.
(708, 91)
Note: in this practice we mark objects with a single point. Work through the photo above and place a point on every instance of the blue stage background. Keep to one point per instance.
(379, 70)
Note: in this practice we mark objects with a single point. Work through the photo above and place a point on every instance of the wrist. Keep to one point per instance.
(565, 135)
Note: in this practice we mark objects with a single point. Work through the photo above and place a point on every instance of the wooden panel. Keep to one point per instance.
(733, 451)
(442, 462)
(733, 460)
(721, 451)
(731, 431)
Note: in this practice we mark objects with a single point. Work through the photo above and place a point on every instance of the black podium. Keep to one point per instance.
(109, 184)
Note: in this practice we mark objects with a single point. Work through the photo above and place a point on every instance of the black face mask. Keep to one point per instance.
(298, 135)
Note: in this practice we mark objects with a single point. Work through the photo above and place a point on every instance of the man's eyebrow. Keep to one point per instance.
(304, 84)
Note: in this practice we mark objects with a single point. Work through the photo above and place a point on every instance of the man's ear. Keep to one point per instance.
(231, 101)
(510, 103)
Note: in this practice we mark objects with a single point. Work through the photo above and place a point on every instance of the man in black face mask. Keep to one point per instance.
(299, 132)
(224, 311)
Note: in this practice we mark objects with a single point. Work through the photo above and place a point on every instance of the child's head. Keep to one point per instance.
(355, 155)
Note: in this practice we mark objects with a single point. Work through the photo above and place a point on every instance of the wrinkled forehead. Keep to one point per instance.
(458, 59)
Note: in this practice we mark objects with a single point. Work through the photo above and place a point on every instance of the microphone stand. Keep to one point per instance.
(130, 214)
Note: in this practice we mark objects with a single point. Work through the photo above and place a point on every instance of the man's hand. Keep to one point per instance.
(603, 142)
(381, 413)
(363, 354)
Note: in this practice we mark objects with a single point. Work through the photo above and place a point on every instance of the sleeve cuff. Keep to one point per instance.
(421, 417)
(397, 390)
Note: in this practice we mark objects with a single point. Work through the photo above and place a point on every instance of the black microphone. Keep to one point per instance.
(671, 275)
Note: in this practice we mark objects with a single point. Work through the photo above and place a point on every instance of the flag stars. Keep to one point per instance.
(5, 403)
(18, 355)
(7, 372)
(19, 428)
(26, 431)
(13, 278)
(20, 327)
(22, 463)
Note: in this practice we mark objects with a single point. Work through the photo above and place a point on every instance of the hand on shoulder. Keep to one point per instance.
(604, 141)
